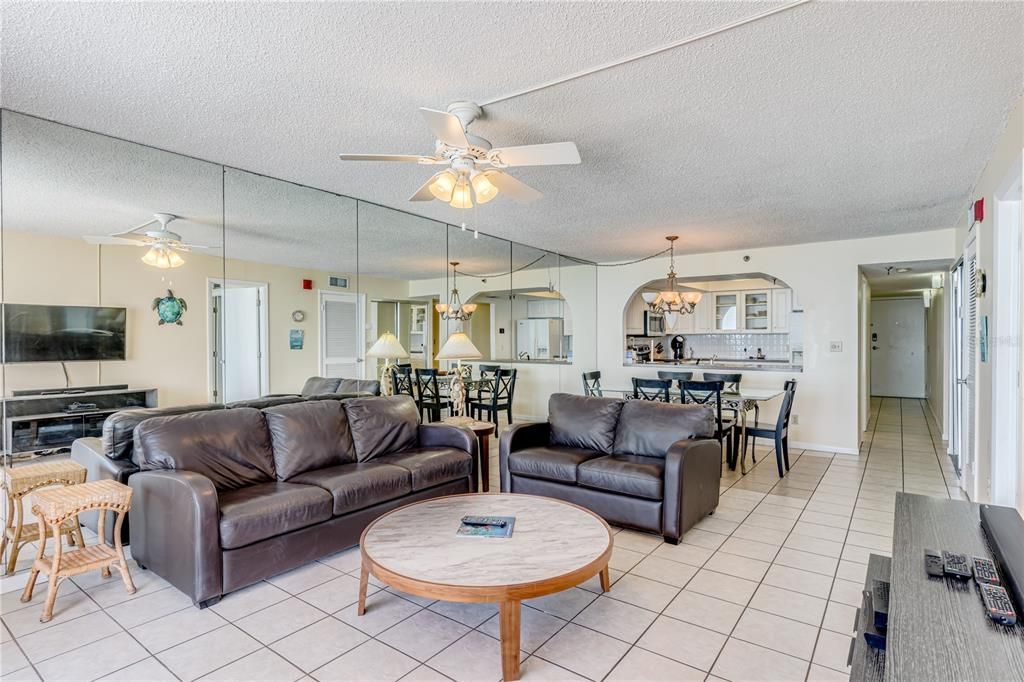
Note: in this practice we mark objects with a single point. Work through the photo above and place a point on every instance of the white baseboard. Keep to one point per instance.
(823, 448)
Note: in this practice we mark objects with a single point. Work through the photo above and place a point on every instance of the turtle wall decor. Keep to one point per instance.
(169, 308)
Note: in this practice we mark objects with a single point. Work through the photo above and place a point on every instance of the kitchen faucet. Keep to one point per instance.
(524, 355)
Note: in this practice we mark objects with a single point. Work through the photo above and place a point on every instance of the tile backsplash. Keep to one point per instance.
(735, 346)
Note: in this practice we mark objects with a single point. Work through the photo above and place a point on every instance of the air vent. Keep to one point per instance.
(340, 282)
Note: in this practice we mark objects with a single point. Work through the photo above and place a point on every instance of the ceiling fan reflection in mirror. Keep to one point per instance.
(475, 168)
(165, 247)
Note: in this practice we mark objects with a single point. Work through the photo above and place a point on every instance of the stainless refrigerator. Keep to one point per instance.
(539, 338)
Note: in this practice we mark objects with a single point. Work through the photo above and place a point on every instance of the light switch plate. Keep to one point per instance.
(835, 346)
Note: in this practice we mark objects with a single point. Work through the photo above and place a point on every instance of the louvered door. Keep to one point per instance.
(969, 369)
(340, 334)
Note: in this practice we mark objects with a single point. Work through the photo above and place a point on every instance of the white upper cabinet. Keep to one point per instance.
(782, 305)
(635, 316)
(755, 311)
(544, 307)
(726, 311)
(703, 315)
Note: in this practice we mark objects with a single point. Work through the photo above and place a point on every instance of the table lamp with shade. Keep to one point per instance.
(389, 348)
(458, 347)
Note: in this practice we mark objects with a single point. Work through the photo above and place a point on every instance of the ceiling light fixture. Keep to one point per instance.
(163, 257)
(455, 309)
(671, 302)
(903, 270)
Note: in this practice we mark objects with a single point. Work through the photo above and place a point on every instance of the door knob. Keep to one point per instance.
(874, 347)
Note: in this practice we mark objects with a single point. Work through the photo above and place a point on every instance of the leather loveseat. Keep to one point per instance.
(643, 464)
(227, 498)
(112, 456)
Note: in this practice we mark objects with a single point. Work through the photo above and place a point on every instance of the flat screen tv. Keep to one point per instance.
(63, 333)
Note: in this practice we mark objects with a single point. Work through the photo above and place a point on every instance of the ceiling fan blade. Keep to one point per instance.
(410, 158)
(515, 189)
(550, 154)
(111, 241)
(423, 193)
(188, 247)
(137, 227)
(445, 127)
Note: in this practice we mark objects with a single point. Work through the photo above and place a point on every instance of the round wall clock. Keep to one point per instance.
(298, 315)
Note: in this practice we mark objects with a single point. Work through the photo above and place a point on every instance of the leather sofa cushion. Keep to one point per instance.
(351, 386)
(432, 466)
(583, 422)
(381, 426)
(309, 435)
(261, 511)
(229, 447)
(319, 385)
(359, 485)
(552, 463)
(119, 428)
(649, 428)
(266, 401)
(625, 474)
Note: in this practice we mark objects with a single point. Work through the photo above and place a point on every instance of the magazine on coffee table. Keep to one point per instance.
(487, 526)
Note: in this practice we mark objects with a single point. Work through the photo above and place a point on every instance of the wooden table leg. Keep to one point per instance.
(364, 578)
(485, 463)
(509, 627)
(606, 579)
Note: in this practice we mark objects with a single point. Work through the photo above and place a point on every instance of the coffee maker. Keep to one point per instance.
(678, 347)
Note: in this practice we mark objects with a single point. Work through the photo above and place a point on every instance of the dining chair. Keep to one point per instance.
(501, 397)
(592, 383)
(401, 381)
(677, 377)
(732, 385)
(709, 394)
(652, 389)
(429, 394)
(484, 386)
(788, 384)
(779, 431)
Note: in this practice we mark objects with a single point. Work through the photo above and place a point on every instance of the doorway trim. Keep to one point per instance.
(214, 369)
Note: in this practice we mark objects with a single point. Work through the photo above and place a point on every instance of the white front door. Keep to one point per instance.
(898, 348)
(341, 334)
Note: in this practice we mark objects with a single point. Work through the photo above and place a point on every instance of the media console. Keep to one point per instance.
(47, 421)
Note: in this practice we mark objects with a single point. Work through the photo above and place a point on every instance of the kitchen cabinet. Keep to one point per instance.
(703, 315)
(755, 311)
(544, 307)
(726, 311)
(782, 306)
(635, 316)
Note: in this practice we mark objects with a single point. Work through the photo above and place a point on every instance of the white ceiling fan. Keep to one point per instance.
(475, 169)
(165, 247)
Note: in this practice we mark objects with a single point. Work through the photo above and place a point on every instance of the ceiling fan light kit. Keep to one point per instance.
(475, 172)
(159, 256)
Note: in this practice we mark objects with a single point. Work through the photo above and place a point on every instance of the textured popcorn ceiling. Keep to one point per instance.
(829, 121)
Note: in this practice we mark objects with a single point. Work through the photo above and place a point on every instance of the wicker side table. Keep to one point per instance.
(53, 507)
(17, 482)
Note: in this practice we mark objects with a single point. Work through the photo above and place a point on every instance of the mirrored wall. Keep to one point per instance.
(166, 280)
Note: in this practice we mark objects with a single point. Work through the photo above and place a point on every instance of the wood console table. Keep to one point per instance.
(938, 629)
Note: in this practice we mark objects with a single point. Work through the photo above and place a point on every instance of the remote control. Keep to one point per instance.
(484, 521)
(874, 636)
(880, 603)
(997, 604)
(933, 563)
(985, 571)
(956, 565)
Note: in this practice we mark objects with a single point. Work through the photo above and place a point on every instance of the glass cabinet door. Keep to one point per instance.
(755, 310)
(725, 311)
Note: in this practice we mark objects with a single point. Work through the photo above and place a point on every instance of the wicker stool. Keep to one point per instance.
(18, 482)
(54, 506)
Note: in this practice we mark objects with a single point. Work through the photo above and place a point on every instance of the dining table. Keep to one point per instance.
(741, 399)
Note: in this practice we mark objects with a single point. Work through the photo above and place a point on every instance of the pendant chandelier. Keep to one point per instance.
(455, 309)
(672, 303)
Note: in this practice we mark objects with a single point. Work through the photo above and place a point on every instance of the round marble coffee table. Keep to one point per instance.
(554, 546)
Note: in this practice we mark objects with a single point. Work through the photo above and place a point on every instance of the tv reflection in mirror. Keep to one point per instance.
(63, 333)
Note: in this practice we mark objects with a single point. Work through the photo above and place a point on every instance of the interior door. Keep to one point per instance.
(340, 332)
(898, 348)
(969, 350)
(956, 357)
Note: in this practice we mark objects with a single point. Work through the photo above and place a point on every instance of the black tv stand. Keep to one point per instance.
(42, 422)
(69, 391)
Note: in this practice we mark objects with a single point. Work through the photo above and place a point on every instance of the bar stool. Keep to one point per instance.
(53, 507)
(18, 482)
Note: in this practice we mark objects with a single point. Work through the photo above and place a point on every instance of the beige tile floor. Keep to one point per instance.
(765, 589)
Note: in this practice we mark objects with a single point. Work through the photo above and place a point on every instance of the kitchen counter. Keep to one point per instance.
(723, 364)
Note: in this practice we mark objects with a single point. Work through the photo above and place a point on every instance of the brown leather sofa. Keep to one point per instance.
(112, 456)
(642, 464)
(227, 498)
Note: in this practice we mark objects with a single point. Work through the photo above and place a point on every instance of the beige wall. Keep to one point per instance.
(55, 270)
(1009, 152)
